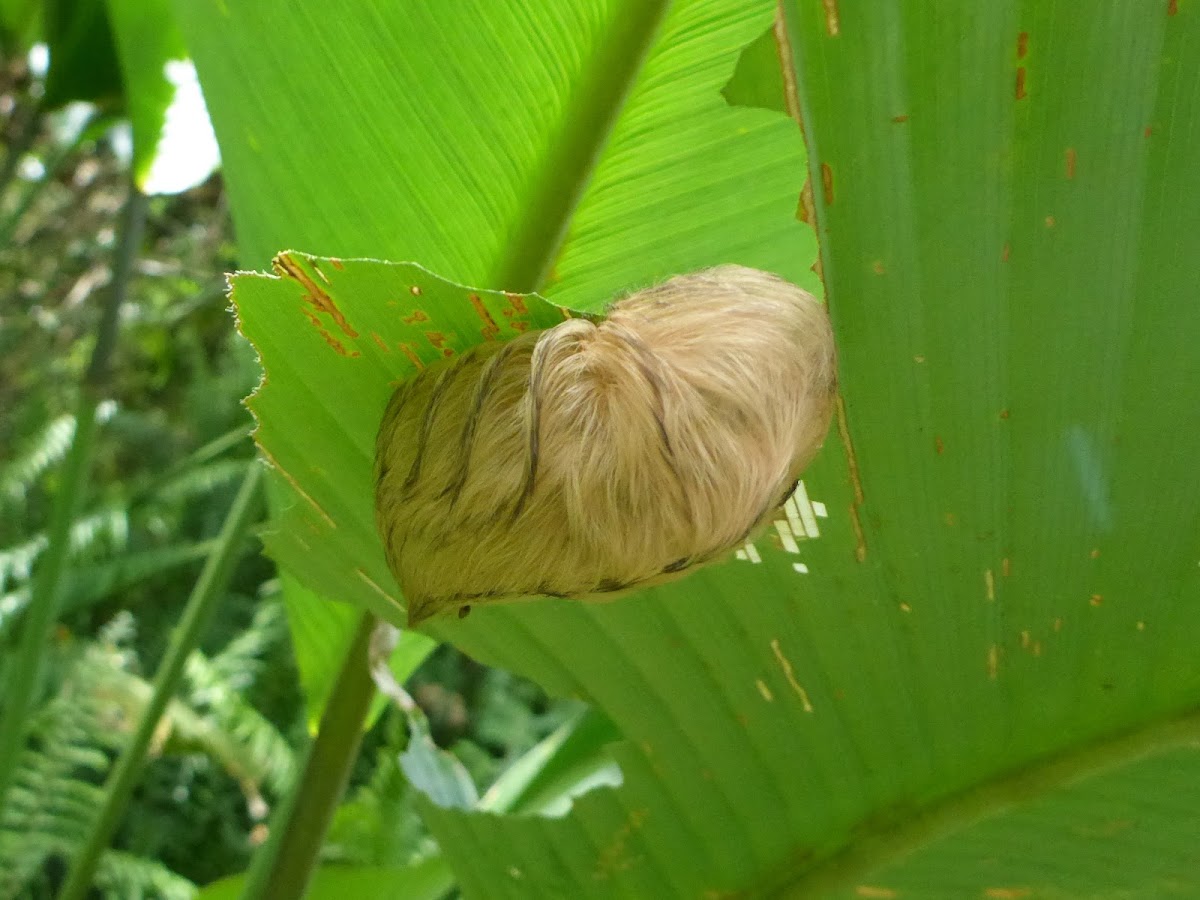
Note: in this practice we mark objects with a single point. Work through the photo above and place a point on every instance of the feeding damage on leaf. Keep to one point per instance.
(590, 458)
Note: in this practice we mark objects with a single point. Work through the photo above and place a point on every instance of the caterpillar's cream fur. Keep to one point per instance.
(588, 458)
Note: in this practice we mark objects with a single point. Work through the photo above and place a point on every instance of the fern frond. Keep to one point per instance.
(124, 876)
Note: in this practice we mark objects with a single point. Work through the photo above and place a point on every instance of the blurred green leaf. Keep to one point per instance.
(83, 56)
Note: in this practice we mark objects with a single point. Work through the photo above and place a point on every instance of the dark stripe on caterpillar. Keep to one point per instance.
(444, 379)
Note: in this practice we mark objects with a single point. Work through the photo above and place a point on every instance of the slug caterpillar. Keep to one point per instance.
(590, 458)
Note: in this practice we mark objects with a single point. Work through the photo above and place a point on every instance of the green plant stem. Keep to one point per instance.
(284, 867)
(20, 145)
(23, 684)
(206, 595)
(539, 234)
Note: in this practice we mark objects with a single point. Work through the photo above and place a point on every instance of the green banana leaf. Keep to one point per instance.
(975, 674)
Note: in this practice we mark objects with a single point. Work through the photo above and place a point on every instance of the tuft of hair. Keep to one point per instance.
(591, 458)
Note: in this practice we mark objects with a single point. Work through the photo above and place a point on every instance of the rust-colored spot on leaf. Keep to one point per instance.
(1021, 83)
(843, 424)
(490, 328)
(517, 303)
(337, 264)
(1070, 155)
(1005, 567)
(415, 317)
(938, 445)
(1095, 599)
(1148, 131)
(1022, 44)
(877, 267)
(288, 267)
(1095, 554)
(1004, 414)
(1005, 252)
(1172, 7)
(438, 341)
(833, 24)
(900, 119)
(827, 183)
(808, 209)
(1050, 221)
(412, 356)
(381, 343)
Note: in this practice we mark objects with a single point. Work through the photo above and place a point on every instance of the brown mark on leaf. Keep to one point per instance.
(1095, 554)
(1005, 567)
(1021, 83)
(1022, 44)
(1172, 7)
(878, 268)
(833, 23)
(827, 183)
(412, 356)
(808, 210)
(415, 317)
(333, 342)
(380, 342)
(1004, 414)
(938, 446)
(1050, 221)
(1148, 131)
(613, 858)
(516, 306)
(490, 329)
(899, 120)
(438, 342)
(286, 266)
(1005, 252)
(296, 485)
(373, 585)
(1070, 157)
(337, 264)
(860, 549)
(1095, 599)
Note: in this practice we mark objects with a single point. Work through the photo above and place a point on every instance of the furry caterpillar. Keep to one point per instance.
(589, 458)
